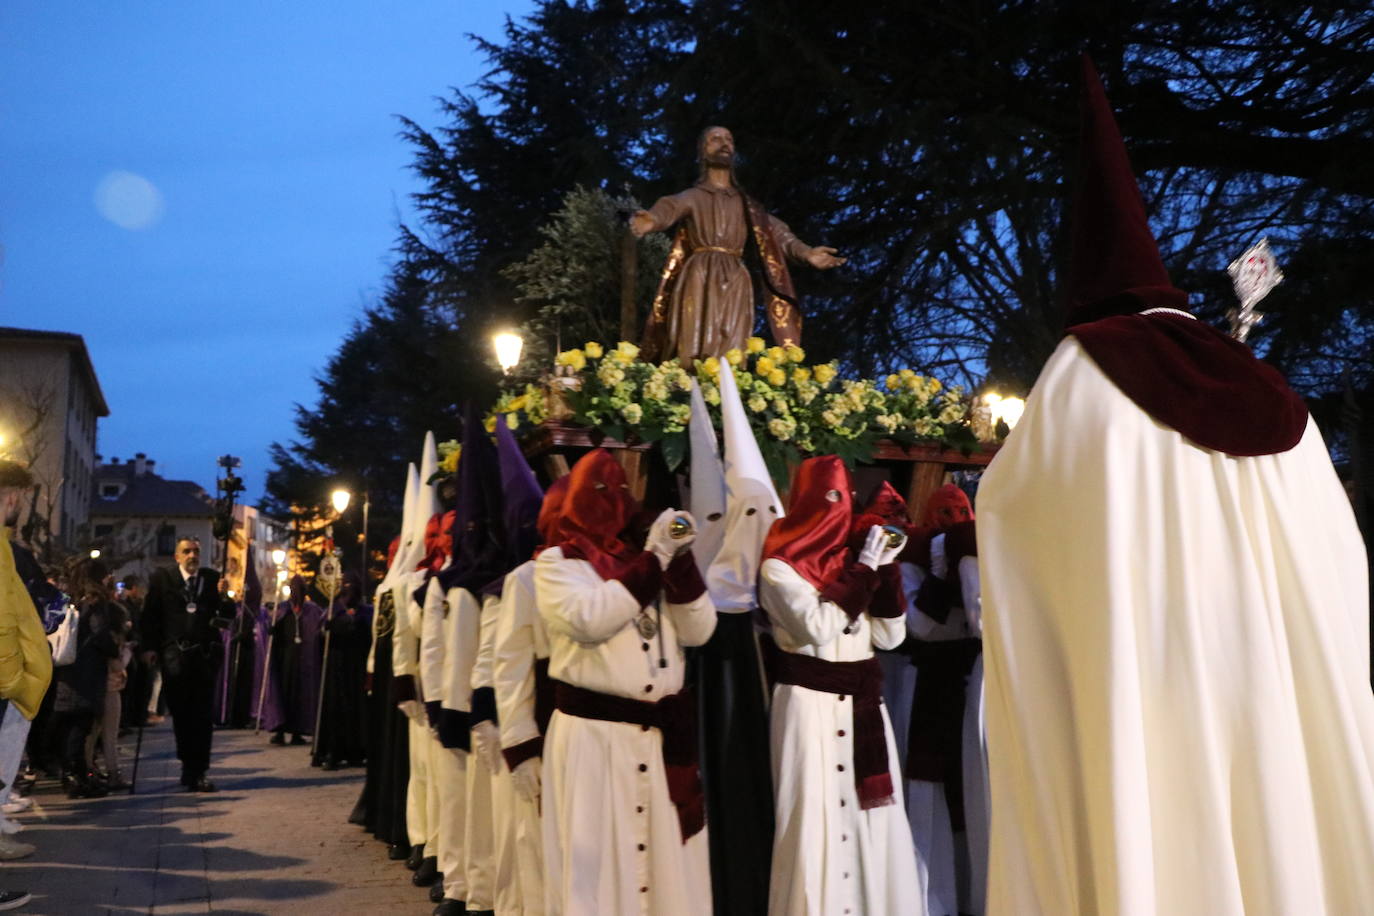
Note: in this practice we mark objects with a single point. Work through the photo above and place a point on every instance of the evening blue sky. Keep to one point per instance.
(208, 192)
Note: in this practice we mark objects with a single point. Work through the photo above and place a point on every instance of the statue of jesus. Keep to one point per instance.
(705, 301)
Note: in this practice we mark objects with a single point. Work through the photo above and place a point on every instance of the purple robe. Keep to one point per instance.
(292, 705)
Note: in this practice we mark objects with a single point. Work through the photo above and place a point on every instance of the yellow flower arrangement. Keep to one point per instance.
(451, 450)
(574, 359)
(794, 409)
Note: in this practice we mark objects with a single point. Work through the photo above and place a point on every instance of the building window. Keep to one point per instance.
(104, 531)
(166, 540)
(110, 490)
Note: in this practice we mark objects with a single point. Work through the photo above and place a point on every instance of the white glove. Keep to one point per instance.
(486, 744)
(413, 709)
(662, 544)
(526, 778)
(875, 546)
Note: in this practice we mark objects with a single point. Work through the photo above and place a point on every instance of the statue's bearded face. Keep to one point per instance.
(718, 147)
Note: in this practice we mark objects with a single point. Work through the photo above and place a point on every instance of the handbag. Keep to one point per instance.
(63, 639)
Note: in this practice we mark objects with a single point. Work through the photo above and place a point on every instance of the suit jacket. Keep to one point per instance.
(165, 618)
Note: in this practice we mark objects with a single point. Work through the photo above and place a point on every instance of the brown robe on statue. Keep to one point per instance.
(705, 303)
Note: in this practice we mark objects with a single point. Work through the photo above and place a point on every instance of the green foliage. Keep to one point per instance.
(931, 142)
(573, 278)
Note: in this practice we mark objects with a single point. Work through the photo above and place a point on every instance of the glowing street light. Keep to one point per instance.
(1010, 410)
(278, 557)
(508, 347)
(95, 553)
(340, 498)
(1004, 410)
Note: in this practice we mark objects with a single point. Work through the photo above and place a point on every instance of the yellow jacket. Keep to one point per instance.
(25, 658)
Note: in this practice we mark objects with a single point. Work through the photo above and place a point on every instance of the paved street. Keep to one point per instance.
(274, 839)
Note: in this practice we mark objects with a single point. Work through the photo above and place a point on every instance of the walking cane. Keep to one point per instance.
(138, 750)
(324, 678)
(328, 582)
(266, 668)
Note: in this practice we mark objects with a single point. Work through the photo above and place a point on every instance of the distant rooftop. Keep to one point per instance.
(73, 342)
(140, 492)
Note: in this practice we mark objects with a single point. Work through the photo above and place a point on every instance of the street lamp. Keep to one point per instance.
(508, 347)
(340, 498)
(1009, 410)
(278, 557)
(95, 553)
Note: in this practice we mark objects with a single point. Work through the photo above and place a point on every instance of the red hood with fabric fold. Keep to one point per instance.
(813, 537)
(550, 513)
(885, 507)
(596, 507)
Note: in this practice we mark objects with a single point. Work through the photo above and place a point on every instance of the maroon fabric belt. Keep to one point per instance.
(864, 682)
(676, 717)
(543, 695)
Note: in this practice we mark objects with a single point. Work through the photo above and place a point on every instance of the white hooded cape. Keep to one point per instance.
(1178, 708)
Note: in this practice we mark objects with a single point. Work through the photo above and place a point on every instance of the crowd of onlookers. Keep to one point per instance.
(65, 700)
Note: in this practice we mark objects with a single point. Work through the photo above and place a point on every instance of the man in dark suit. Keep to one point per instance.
(179, 618)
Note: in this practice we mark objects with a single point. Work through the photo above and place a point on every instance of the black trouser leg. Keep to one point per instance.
(190, 697)
(74, 727)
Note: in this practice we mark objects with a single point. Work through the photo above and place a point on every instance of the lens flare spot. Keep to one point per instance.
(129, 201)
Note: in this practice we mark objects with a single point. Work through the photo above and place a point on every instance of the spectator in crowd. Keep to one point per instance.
(81, 686)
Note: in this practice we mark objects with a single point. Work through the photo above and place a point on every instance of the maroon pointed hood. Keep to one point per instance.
(1115, 268)
(1184, 373)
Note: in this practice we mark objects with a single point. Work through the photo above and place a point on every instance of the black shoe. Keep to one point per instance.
(277, 738)
(12, 900)
(298, 741)
(436, 890)
(427, 873)
(83, 786)
(329, 764)
(397, 851)
(417, 855)
(451, 907)
(202, 783)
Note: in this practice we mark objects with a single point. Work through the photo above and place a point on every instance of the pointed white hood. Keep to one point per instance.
(427, 500)
(407, 524)
(422, 506)
(708, 484)
(751, 507)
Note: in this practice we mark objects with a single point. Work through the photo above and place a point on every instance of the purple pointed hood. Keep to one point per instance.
(522, 496)
(478, 551)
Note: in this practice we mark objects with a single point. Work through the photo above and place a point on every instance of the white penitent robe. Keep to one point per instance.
(405, 662)
(445, 766)
(927, 807)
(488, 887)
(829, 855)
(1176, 644)
(521, 641)
(974, 758)
(612, 842)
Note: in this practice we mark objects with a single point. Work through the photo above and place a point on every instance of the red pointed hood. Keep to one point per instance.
(596, 508)
(813, 536)
(1115, 267)
(1185, 374)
